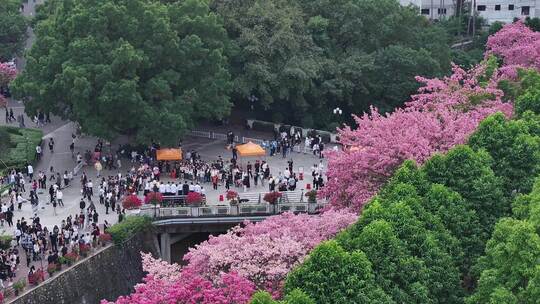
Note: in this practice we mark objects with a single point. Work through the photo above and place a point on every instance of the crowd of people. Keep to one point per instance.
(102, 193)
(286, 142)
(35, 243)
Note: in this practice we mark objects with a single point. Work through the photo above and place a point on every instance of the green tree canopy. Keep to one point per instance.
(529, 98)
(469, 173)
(514, 148)
(333, 275)
(12, 29)
(510, 268)
(320, 54)
(132, 67)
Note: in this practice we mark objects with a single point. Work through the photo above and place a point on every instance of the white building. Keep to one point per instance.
(490, 10)
(507, 10)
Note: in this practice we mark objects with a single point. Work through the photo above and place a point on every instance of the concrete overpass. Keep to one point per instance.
(174, 224)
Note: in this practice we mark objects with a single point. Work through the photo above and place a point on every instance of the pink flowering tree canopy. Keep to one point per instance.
(517, 45)
(265, 252)
(168, 283)
(7, 74)
(443, 114)
(229, 268)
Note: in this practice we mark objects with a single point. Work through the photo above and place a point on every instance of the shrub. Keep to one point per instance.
(51, 268)
(105, 238)
(272, 197)
(84, 249)
(231, 195)
(312, 196)
(131, 202)
(5, 241)
(129, 227)
(37, 277)
(194, 198)
(19, 285)
(71, 258)
(21, 148)
(153, 198)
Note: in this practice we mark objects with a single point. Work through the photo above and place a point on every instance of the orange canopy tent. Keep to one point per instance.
(250, 149)
(169, 154)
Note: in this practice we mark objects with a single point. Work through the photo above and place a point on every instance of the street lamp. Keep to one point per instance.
(252, 98)
(338, 111)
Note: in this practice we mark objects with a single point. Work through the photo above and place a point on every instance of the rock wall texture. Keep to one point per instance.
(107, 275)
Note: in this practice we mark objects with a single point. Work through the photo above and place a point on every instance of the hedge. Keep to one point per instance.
(22, 146)
(5, 241)
(129, 227)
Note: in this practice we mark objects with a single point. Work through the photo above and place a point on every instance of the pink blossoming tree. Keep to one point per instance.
(517, 45)
(7, 74)
(443, 114)
(265, 252)
(229, 268)
(166, 283)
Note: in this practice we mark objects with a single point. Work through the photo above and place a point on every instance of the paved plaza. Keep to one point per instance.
(209, 150)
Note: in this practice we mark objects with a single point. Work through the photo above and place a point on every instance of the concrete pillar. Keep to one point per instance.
(165, 247)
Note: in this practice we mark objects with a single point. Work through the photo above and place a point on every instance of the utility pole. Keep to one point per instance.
(474, 19)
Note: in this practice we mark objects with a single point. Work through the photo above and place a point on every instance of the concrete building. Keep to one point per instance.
(490, 10)
(507, 10)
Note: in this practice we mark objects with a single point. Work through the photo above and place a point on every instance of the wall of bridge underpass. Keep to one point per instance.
(181, 247)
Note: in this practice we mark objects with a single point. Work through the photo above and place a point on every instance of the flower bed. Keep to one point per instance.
(131, 202)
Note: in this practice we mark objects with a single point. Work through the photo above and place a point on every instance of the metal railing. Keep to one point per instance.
(237, 210)
(253, 140)
(219, 136)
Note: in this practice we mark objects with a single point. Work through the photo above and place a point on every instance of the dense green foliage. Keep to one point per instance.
(130, 226)
(461, 228)
(5, 241)
(529, 93)
(460, 30)
(166, 64)
(294, 297)
(516, 146)
(18, 146)
(510, 272)
(135, 67)
(533, 23)
(12, 29)
(317, 55)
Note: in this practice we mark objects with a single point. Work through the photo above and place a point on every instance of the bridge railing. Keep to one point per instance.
(237, 210)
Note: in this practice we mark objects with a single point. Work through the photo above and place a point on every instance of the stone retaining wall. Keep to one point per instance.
(107, 275)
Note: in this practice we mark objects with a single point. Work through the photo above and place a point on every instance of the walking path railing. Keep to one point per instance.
(223, 136)
(236, 210)
(249, 204)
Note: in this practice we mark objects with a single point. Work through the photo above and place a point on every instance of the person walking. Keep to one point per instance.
(51, 194)
(38, 152)
(54, 207)
(82, 205)
(30, 171)
(107, 205)
(59, 197)
(98, 168)
(51, 145)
